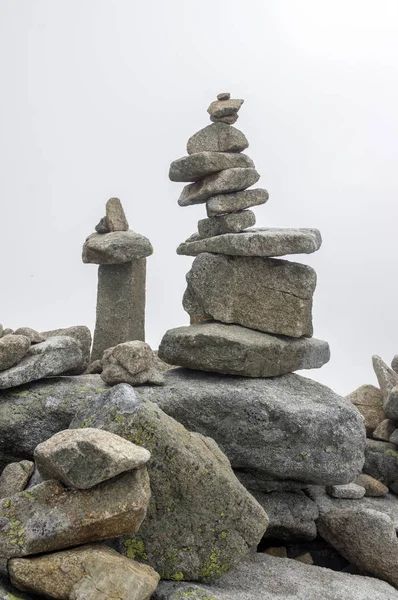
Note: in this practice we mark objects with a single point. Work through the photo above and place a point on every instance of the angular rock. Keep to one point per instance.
(285, 428)
(230, 223)
(230, 119)
(115, 217)
(381, 462)
(94, 368)
(196, 166)
(218, 137)
(14, 477)
(373, 487)
(49, 517)
(54, 356)
(394, 363)
(99, 571)
(236, 350)
(229, 180)
(270, 295)
(262, 577)
(391, 404)
(115, 248)
(229, 203)
(351, 491)
(384, 430)
(131, 362)
(82, 458)
(224, 96)
(224, 108)
(201, 520)
(12, 350)
(369, 401)
(82, 335)
(257, 242)
(366, 538)
(386, 377)
(102, 226)
(34, 336)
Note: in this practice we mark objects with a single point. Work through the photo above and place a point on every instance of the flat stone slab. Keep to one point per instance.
(199, 165)
(115, 248)
(229, 203)
(218, 137)
(230, 223)
(229, 180)
(257, 242)
(223, 108)
(235, 350)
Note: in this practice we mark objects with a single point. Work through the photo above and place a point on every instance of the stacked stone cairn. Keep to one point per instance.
(251, 313)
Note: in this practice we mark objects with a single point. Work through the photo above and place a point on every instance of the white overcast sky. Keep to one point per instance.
(99, 96)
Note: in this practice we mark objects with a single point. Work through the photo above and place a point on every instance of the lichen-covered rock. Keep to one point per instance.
(369, 401)
(82, 335)
(218, 137)
(201, 520)
(130, 362)
(115, 248)
(12, 349)
(14, 477)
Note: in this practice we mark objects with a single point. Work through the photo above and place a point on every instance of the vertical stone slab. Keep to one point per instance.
(120, 305)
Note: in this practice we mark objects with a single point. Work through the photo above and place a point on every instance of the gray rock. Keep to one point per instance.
(229, 180)
(196, 166)
(366, 538)
(12, 349)
(115, 248)
(394, 437)
(230, 223)
(94, 368)
(8, 592)
(224, 108)
(285, 428)
(257, 242)
(34, 336)
(394, 363)
(236, 350)
(54, 356)
(256, 481)
(270, 295)
(7, 331)
(82, 335)
(14, 477)
(384, 431)
(373, 487)
(115, 217)
(201, 520)
(224, 96)
(369, 401)
(229, 203)
(34, 412)
(218, 137)
(230, 119)
(351, 491)
(82, 458)
(102, 226)
(391, 404)
(262, 577)
(131, 362)
(1, 330)
(381, 463)
(386, 377)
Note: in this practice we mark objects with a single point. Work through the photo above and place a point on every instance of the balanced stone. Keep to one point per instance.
(14, 477)
(369, 401)
(230, 119)
(351, 491)
(257, 242)
(12, 349)
(229, 180)
(131, 362)
(386, 377)
(223, 96)
(82, 458)
(199, 165)
(115, 248)
(218, 137)
(223, 108)
(102, 226)
(229, 203)
(34, 336)
(230, 223)
(270, 295)
(381, 462)
(82, 335)
(115, 217)
(235, 350)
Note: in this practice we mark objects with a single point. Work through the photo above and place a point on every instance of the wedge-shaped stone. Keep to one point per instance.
(199, 165)
(229, 180)
(257, 242)
(98, 571)
(14, 477)
(224, 108)
(270, 295)
(369, 401)
(115, 248)
(82, 458)
(115, 217)
(391, 404)
(229, 203)
(386, 377)
(218, 137)
(49, 517)
(232, 223)
(235, 350)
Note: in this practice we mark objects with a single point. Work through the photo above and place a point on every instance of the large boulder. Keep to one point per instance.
(286, 427)
(201, 520)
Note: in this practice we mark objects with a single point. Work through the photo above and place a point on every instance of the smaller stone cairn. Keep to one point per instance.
(121, 256)
(251, 313)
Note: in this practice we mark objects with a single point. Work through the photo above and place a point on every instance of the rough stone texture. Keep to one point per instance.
(230, 119)
(196, 166)
(218, 137)
(384, 430)
(8, 592)
(288, 427)
(291, 515)
(82, 458)
(257, 481)
(131, 362)
(223, 96)
(120, 306)
(369, 402)
(270, 295)
(115, 248)
(366, 538)
(394, 363)
(94, 368)
(7, 331)
(102, 226)
(93, 568)
(373, 487)
(201, 520)
(115, 217)
(52, 357)
(224, 108)
(12, 349)
(14, 477)
(394, 437)
(391, 404)
(229, 203)
(235, 350)
(257, 242)
(82, 335)
(49, 517)
(350, 491)
(229, 180)
(262, 577)
(34, 336)
(386, 377)
(381, 463)
(231, 223)
(34, 412)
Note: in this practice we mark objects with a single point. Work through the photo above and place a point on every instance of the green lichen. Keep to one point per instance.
(16, 532)
(213, 567)
(83, 389)
(177, 576)
(19, 394)
(135, 549)
(28, 496)
(223, 534)
(6, 503)
(86, 423)
(304, 454)
(392, 453)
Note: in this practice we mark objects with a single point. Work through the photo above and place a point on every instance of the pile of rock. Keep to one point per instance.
(250, 314)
